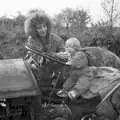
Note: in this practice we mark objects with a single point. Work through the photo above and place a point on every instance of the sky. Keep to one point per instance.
(51, 7)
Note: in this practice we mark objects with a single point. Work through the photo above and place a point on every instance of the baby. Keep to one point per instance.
(75, 59)
(71, 46)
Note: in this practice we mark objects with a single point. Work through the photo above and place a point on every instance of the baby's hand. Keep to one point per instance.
(63, 55)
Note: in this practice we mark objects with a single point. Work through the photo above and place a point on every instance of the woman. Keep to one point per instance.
(38, 30)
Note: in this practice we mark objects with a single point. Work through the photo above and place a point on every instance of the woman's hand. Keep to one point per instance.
(63, 55)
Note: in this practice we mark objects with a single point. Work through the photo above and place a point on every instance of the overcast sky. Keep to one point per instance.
(51, 7)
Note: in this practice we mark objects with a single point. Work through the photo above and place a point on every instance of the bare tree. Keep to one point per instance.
(64, 18)
(112, 12)
(73, 20)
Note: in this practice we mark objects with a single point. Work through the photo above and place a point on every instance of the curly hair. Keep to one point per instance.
(73, 43)
(36, 18)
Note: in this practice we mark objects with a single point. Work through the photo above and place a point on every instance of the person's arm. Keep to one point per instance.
(30, 56)
(63, 55)
(78, 60)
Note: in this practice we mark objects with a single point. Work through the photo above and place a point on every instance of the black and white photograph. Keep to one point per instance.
(60, 60)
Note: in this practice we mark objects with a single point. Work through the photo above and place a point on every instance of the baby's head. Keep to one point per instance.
(72, 44)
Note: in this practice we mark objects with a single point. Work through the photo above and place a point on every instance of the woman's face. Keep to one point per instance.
(41, 29)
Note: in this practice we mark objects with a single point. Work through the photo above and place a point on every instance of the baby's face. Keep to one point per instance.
(70, 50)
